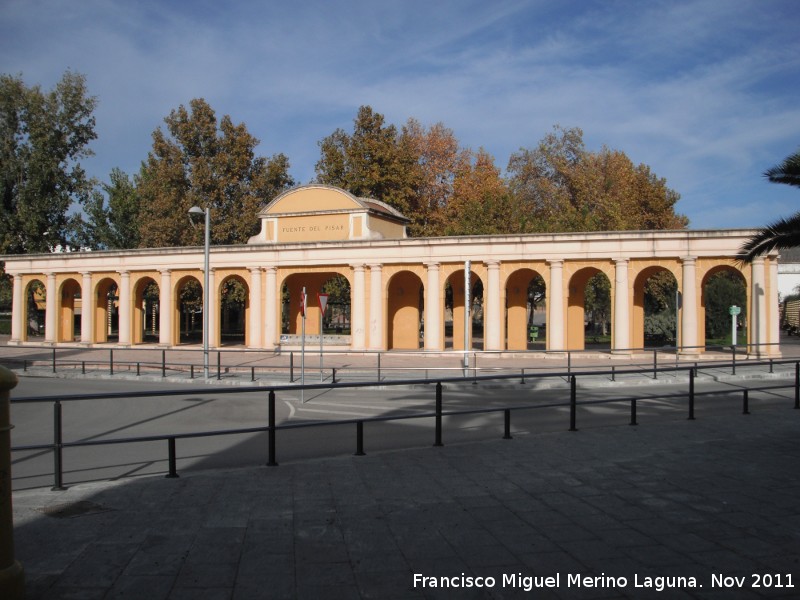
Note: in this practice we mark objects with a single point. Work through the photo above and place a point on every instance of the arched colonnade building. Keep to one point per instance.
(402, 291)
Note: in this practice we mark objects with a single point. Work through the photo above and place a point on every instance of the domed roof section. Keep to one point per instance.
(324, 198)
(316, 212)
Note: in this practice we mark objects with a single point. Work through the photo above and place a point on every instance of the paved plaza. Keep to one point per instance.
(671, 508)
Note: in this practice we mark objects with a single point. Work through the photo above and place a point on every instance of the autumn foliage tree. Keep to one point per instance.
(561, 186)
(199, 161)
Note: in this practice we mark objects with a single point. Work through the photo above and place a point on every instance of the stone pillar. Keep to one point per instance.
(493, 316)
(358, 321)
(556, 326)
(165, 308)
(273, 295)
(758, 312)
(87, 309)
(125, 305)
(774, 309)
(376, 307)
(433, 309)
(622, 340)
(254, 324)
(18, 311)
(51, 307)
(689, 309)
(12, 576)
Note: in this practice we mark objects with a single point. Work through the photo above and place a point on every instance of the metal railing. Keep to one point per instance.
(272, 428)
(239, 362)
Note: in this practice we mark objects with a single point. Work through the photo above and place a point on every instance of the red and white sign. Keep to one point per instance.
(323, 302)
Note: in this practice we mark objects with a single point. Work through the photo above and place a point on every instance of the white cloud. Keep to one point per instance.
(704, 92)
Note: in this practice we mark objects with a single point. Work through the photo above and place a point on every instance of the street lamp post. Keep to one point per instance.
(196, 210)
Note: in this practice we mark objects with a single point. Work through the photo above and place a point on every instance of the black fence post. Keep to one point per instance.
(522, 376)
(83, 367)
(58, 463)
(633, 412)
(797, 385)
(173, 471)
(333, 377)
(438, 441)
(573, 403)
(507, 420)
(733, 364)
(691, 394)
(271, 462)
(219, 366)
(655, 364)
(745, 403)
(291, 367)
(359, 438)
(191, 371)
(138, 369)
(252, 373)
(54, 360)
(163, 363)
(379, 366)
(111, 362)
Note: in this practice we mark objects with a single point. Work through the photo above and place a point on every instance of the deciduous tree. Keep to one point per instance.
(200, 162)
(43, 138)
(561, 186)
(112, 224)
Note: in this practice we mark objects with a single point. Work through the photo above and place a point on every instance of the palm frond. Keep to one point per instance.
(782, 234)
(787, 172)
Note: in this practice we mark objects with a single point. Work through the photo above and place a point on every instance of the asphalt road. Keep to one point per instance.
(205, 408)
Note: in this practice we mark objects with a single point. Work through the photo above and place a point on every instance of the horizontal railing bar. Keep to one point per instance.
(450, 413)
(392, 383)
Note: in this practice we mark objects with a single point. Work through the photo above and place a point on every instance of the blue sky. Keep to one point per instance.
(703, 91)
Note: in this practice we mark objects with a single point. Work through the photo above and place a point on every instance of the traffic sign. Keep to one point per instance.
(735, 310)
(323, 302)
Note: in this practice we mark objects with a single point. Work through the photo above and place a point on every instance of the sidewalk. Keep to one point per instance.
(673, 505)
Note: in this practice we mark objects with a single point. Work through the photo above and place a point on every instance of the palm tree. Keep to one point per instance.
(783, 233)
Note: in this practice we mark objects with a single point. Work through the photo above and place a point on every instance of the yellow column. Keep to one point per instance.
(255, 323)
(759, 307)
(18, 311)
(125, 303)
(376, 307)
(87, 309)
(12, 576)
(621, 307)
(165, 312)
(358, 321)
(273, 294)
(51, 310)
(689, 308)
(556, 325)
(433, 309)
(492, 298)
(774, 309)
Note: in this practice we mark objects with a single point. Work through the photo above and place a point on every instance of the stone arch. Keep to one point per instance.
(103, 305)
(146, 309)
(291, 290)
(576, 306)
(525, 300)
(187, 307)
(714, 308)
(35, 296)
(68, 322)
(404, 310)
(644, 305)
(233, 309)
